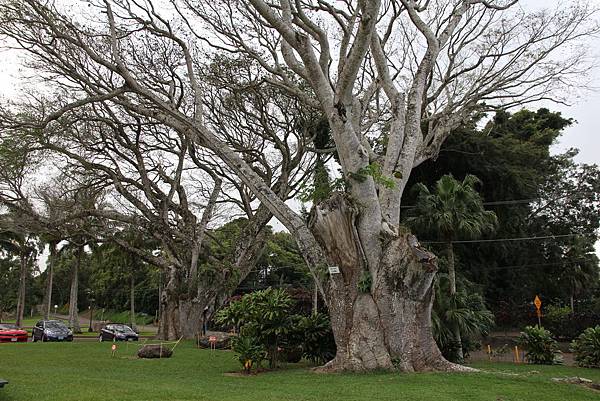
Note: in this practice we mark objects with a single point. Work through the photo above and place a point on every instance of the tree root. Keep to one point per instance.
(442, 365)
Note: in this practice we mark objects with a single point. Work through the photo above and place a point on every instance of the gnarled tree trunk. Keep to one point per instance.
(182, 310)
(381, 319)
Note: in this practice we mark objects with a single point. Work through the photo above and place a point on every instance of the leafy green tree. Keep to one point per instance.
(9, 283)
(534, 194)
(118, 277)
(22, 246)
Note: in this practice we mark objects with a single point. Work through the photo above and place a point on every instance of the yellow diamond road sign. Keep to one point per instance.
(537, 302)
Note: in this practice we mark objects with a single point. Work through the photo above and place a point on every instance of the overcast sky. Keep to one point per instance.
(585, 109)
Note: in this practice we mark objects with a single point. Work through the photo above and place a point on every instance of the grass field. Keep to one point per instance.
(86, 371)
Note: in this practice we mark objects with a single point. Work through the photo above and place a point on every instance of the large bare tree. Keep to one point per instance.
(392, 78)
(160, 182)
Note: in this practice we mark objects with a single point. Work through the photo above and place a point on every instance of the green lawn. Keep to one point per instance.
(86, 371)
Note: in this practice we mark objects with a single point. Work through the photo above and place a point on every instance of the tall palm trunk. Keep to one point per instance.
(132, 301)
(73, 309)
(50, 277)
(452, 280)
(572, 298)
(22, 287)
(315, 306)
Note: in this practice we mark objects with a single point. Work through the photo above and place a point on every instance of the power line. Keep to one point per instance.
(511, 239)
(516, 201)
(520, 267)
(491, 203)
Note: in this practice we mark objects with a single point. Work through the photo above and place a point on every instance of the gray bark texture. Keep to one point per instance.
(380, 319)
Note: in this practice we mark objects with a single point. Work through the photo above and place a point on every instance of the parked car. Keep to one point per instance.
(51, 330)
(117, 332)
(10, 333)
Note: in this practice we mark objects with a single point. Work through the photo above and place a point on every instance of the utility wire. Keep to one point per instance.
(520, 267)
(491, 203)
(515, 201)
(511, 239)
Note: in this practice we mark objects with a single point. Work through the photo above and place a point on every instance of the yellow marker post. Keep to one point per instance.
(489, 351)
(517, 360)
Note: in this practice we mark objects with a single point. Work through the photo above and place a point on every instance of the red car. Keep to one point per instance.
(9, 333)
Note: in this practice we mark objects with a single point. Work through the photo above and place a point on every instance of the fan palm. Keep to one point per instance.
(453, 210)
(464, 310)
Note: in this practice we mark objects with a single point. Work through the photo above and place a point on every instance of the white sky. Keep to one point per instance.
(583, 134)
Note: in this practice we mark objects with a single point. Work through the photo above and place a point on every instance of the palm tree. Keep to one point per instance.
(580, 268)
(20, 244)
(453, 210)
(465, 310)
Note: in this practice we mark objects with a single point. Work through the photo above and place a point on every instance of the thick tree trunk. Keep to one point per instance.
(380, 319)
(181, 316)
(49, 278)
(73, 308)
(22, 288)
(452, 281)
(168, 328)
(182, 309)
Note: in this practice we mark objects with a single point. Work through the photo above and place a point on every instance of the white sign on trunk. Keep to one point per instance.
(334, 269)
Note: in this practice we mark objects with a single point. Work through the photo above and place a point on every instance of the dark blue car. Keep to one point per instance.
(51, 330)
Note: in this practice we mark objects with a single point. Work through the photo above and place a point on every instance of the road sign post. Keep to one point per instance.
(538, 309)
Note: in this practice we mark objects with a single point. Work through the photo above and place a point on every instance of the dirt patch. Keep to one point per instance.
(244, 374)
(580, 381)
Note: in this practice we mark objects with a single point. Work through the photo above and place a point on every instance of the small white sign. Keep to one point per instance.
(334, 269)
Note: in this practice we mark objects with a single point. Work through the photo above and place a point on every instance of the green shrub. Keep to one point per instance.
(587, 348)
(540, 347)
(557, 314)
(263, 315)
(318, 344)
(266, 317)
(559, 319)
(250, 351)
